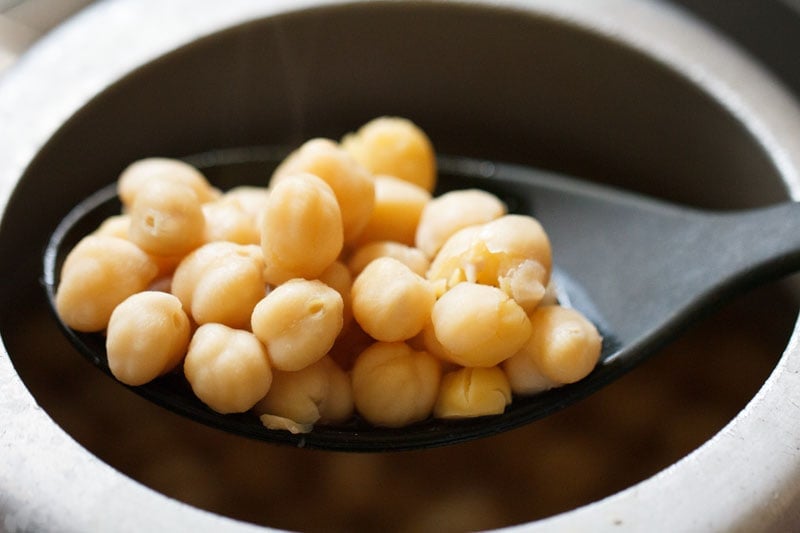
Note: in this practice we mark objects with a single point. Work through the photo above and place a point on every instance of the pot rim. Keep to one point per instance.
(746, 481)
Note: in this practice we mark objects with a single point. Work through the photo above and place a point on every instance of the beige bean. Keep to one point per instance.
(397, 210)
(471, 392)
(413, 258)
(137, 176)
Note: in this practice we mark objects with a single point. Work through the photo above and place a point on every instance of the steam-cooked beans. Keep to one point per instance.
(469, 392)
(318, 393)
(452, 211)
(397, 210)
(397, 147)
(166, 219)
(479, 325)
(351, 183)
(97, 275)
(147, 336)
(301, 231)
(221, 282)
(137, 175)
(228, 369)
(390, 302)
(298, 322)
(393, 385)
(344, 286)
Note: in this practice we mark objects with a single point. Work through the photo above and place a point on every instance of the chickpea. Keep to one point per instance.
(97, 275)
(397, 210)
(471, 392)
(391, 302)
(564, 346)
(298, 322)
(221, 282)
(319, 393)
(338, 277)
(350, 182)
(226, 220)
(137, 176)
(397, 147)
(301, 232)
(114, 226)
(148, 335)
(227, 368)
(524, 376)
(413, 258)
(512, 251)
(452, 211)
(166, 219)
(479, 325)
(252, 200)
(393, 385)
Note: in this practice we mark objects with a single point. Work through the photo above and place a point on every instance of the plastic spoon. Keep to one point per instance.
(640, 269)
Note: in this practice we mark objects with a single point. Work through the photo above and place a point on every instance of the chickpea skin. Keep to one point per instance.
(471, 392)
(227, 368)
(148, 335)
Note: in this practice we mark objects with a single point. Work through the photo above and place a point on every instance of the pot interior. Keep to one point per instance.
(485, 82)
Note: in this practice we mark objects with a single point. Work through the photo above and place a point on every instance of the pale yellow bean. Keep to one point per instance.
(298, 322)
(397, 147)
(221, 282)
(564, 345)
(350, 182)
(301, 232)
(318, 394)
(479, 325)
(390, 302)
(471, 392)
(338, 277)
(413, 258)
(397, 210)
(148, 335)
(228, 369)
(393, 385)
(524, 376)
(138, 175)
(452, 211)
(227, 220)
(98, 274)
(166, 219)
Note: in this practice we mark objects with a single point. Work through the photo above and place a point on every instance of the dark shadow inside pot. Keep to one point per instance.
(485, 82)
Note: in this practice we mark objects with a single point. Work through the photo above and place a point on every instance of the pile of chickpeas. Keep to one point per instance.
(341, 287)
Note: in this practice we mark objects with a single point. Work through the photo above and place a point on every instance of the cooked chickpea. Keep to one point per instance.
(301, 232)
(564, 345)
(394, 146)
(397, 210)
(471, 392)
(98, 274)
(227, 220)
(338, 277)
(512, 251)
(227, 368)
(166, 219)
(479, 325)
(523, 375)
(413, 258)
(452, 211)
(221, 282)
(391, 302)
(350, 182)
(319, 393)
(114, 226)
(298, 322)
(148, 335)
(393, 385)
(137, 176)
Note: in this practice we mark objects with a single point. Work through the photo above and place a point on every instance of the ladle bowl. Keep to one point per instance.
(639, 268)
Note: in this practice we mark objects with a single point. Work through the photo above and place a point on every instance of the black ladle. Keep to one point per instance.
(640, 269)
